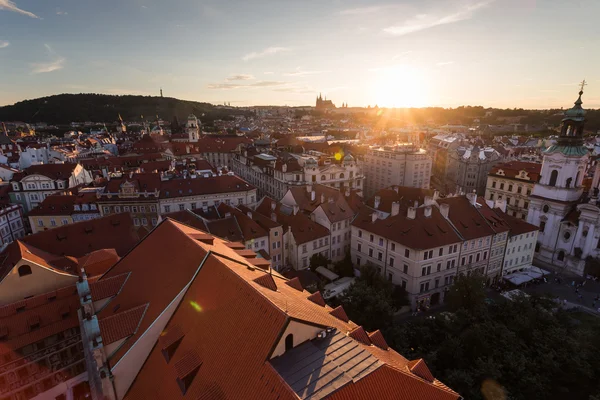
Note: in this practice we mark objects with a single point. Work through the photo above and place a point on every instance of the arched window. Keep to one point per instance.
(561, 256)
(323, 177)
(577, 179)
(351, 174)
(24, 270)
(289, 342)
(341, 176)
(553, 178)
(568, 183)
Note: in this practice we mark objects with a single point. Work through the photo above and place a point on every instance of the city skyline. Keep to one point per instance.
(494, 53)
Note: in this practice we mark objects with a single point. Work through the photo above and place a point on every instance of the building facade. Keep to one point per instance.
(34, 184)
(401, 165)
(513, 182)
(468, 169)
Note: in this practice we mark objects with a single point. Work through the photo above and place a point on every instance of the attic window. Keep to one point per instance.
(24, 270)
(61, 236)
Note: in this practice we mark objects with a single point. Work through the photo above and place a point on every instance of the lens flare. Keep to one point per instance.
(196, 306)
(339, 155)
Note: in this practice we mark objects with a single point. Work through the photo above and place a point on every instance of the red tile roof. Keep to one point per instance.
(466, 219)
(419, 368)
(78, 239)
(219, 308)
(361, 335)
(339, 313)
(52, 171)
(378, 340)
(419, 233)
(317, 299)
(517, 225)
(406, 196)
(512, 169)
(295, 283)
(203, 186)
(121, 325)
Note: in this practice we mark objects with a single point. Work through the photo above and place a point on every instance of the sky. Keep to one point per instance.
(403, 53)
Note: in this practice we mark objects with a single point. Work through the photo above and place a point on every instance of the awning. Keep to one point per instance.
(332, 276)
(528, 274)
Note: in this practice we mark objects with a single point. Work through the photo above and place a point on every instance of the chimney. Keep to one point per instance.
(347, 192)
(273, 205)
(416, 204)
(395, 208)
(296, 209)
(374, 217)
(427, 212)
(436, 195)
(249, 214)
(309, 188)
(490, 203)
(412, 213)
(428, 200)
(445, 210)
(472, 198)
(274, 217)
(501, 204)
(395, 189)
(312, 195)
(322, 198)
(331, 199)
(377, 201)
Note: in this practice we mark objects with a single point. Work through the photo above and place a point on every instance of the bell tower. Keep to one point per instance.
(554, 198)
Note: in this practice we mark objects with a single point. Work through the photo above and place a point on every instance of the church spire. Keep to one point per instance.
(571, 133)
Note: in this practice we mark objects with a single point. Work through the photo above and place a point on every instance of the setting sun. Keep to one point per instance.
(400, 86)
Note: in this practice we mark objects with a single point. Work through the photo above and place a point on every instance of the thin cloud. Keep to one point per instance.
(55, 64)
(62, 13)
(269, 73)
(401, 55)
(441, 64)
(241, 77)
(4, 43)
(425, 21)
(365, 10)
(300, 72)
(259, 84)
(269, 51)
(11, 6)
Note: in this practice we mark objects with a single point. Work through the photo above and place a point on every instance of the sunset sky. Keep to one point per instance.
(496, 53)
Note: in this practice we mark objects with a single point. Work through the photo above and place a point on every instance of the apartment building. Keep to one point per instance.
(329, 208)
(12, 223)
(513, 182)
(57, 210)
(200, 193)
(439, 148)
(276, 242)
(401, 165)
(275, 175)
(493, 212)
(521, 244)
(468, 169)
(476, 233)
(413, 247)
(34, 184)
(303, 237)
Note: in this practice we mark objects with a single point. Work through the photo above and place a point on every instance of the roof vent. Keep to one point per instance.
(170, 340)
(317, 299)
(360, 335)
(266, 281)
(419, 368)
(377, 339)
(339, 313)
(186, 370)
(295, 283)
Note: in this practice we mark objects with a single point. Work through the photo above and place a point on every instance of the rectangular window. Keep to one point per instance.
(439, 267)
(403, 284)
(106, 210)
(52, 222)
(182, 207)
(380, 242)
(359, 234)
(167, 209)
(144, 222)
(40, 223)
(303, 249)
(370, 252)
(391, 261)
(484, 255)
(380, 256)
(405, 269)
(542, 226)
(371, 239)
(359, 247)
(406, 253)
(154, 221)
(462, 262)
(437, 282)
(423, 271)
(441, 252)
(134, 209)
(136, 222)
(143, 209)
(393, 246)
(477, 257)
(65, 221)
(471, 259)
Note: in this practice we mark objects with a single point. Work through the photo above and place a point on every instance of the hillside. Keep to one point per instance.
(65, 108)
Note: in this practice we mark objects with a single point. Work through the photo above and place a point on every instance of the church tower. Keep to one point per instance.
(192, 127)
(554, 199)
